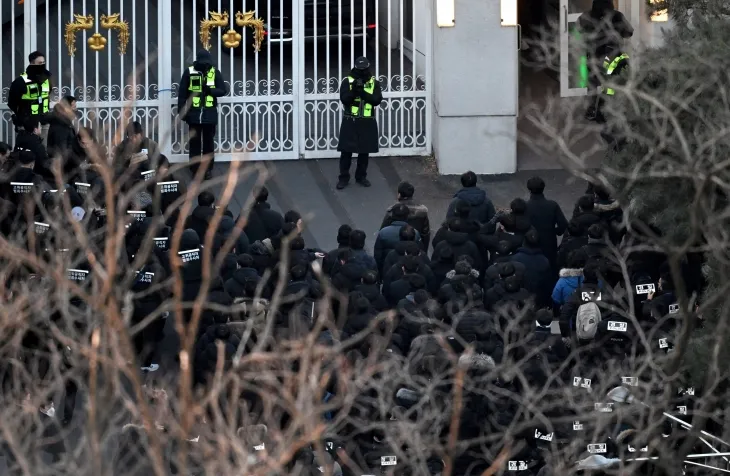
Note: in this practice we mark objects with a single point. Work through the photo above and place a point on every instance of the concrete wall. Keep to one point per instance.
(475, 89)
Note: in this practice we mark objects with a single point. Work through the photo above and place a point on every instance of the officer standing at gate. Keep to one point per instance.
(29, 94)
(604, 30)
(360, 94)
(200, 87)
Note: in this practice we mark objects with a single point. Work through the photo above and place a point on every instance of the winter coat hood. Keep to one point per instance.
(570, 272)
(242, 275)
(452, 274)
(226, 226)
(263, 248)
(473, 196)
(189, 240)
(481, 362)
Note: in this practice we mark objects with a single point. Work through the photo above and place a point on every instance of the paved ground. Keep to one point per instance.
(309, 188)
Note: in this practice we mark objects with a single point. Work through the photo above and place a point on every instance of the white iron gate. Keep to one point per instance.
(113, 85)
(396, 38)
(283, 101)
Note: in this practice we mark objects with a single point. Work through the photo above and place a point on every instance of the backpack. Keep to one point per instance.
(587, 318)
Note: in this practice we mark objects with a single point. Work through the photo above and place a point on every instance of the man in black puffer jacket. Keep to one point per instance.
(63, 141)
(200, 218)
(409, 283)
(263, 222)
(407, 246)
(482, 208)
(575, 239)
(460, 243)
(539, 279)
(462, 210)
(389, 236)
(206, 351)
(236, 285)
(29, 138)
(359, 314)
(548, 219)
(396, 272)
(343, 242)
(370, 288)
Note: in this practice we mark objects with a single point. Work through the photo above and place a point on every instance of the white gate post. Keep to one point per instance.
(164, 75)
(299, 74)
(30, 30)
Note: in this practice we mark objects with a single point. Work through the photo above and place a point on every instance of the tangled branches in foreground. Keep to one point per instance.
(669, 172)
(290, 377)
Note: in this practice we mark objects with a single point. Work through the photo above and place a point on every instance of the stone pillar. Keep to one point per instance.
(475, 91)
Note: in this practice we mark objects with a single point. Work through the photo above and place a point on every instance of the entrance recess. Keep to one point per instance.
(573, 61)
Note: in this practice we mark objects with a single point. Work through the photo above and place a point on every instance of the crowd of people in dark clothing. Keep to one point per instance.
(494, 287)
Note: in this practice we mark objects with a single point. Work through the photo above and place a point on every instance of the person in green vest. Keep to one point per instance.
(615, 70)
(30, 93)
(360, 94)
(604, 31)
(197, 102)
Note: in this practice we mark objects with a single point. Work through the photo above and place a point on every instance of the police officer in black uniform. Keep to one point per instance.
(29, 94)
(200, 87)
(360, 94)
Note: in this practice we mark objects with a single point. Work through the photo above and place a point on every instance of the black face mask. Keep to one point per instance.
(36, 70)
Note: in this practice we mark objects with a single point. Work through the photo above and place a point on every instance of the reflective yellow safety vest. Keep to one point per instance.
(196, 85)
(37, 101)
(610, 66)
(367, 110)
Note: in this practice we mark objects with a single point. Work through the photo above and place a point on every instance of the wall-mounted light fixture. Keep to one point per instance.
(445, 13)
(659, 16)
(508, 12)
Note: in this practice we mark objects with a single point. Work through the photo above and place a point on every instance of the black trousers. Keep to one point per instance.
(202, 142)
(361, 171)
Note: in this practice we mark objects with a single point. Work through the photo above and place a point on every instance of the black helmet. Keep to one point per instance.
(362, 63)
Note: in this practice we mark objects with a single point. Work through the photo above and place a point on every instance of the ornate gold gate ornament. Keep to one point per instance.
(257, 24)
(80, 23)
(215, 20)
(231, 38)
(114, 23)
(97, 42)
